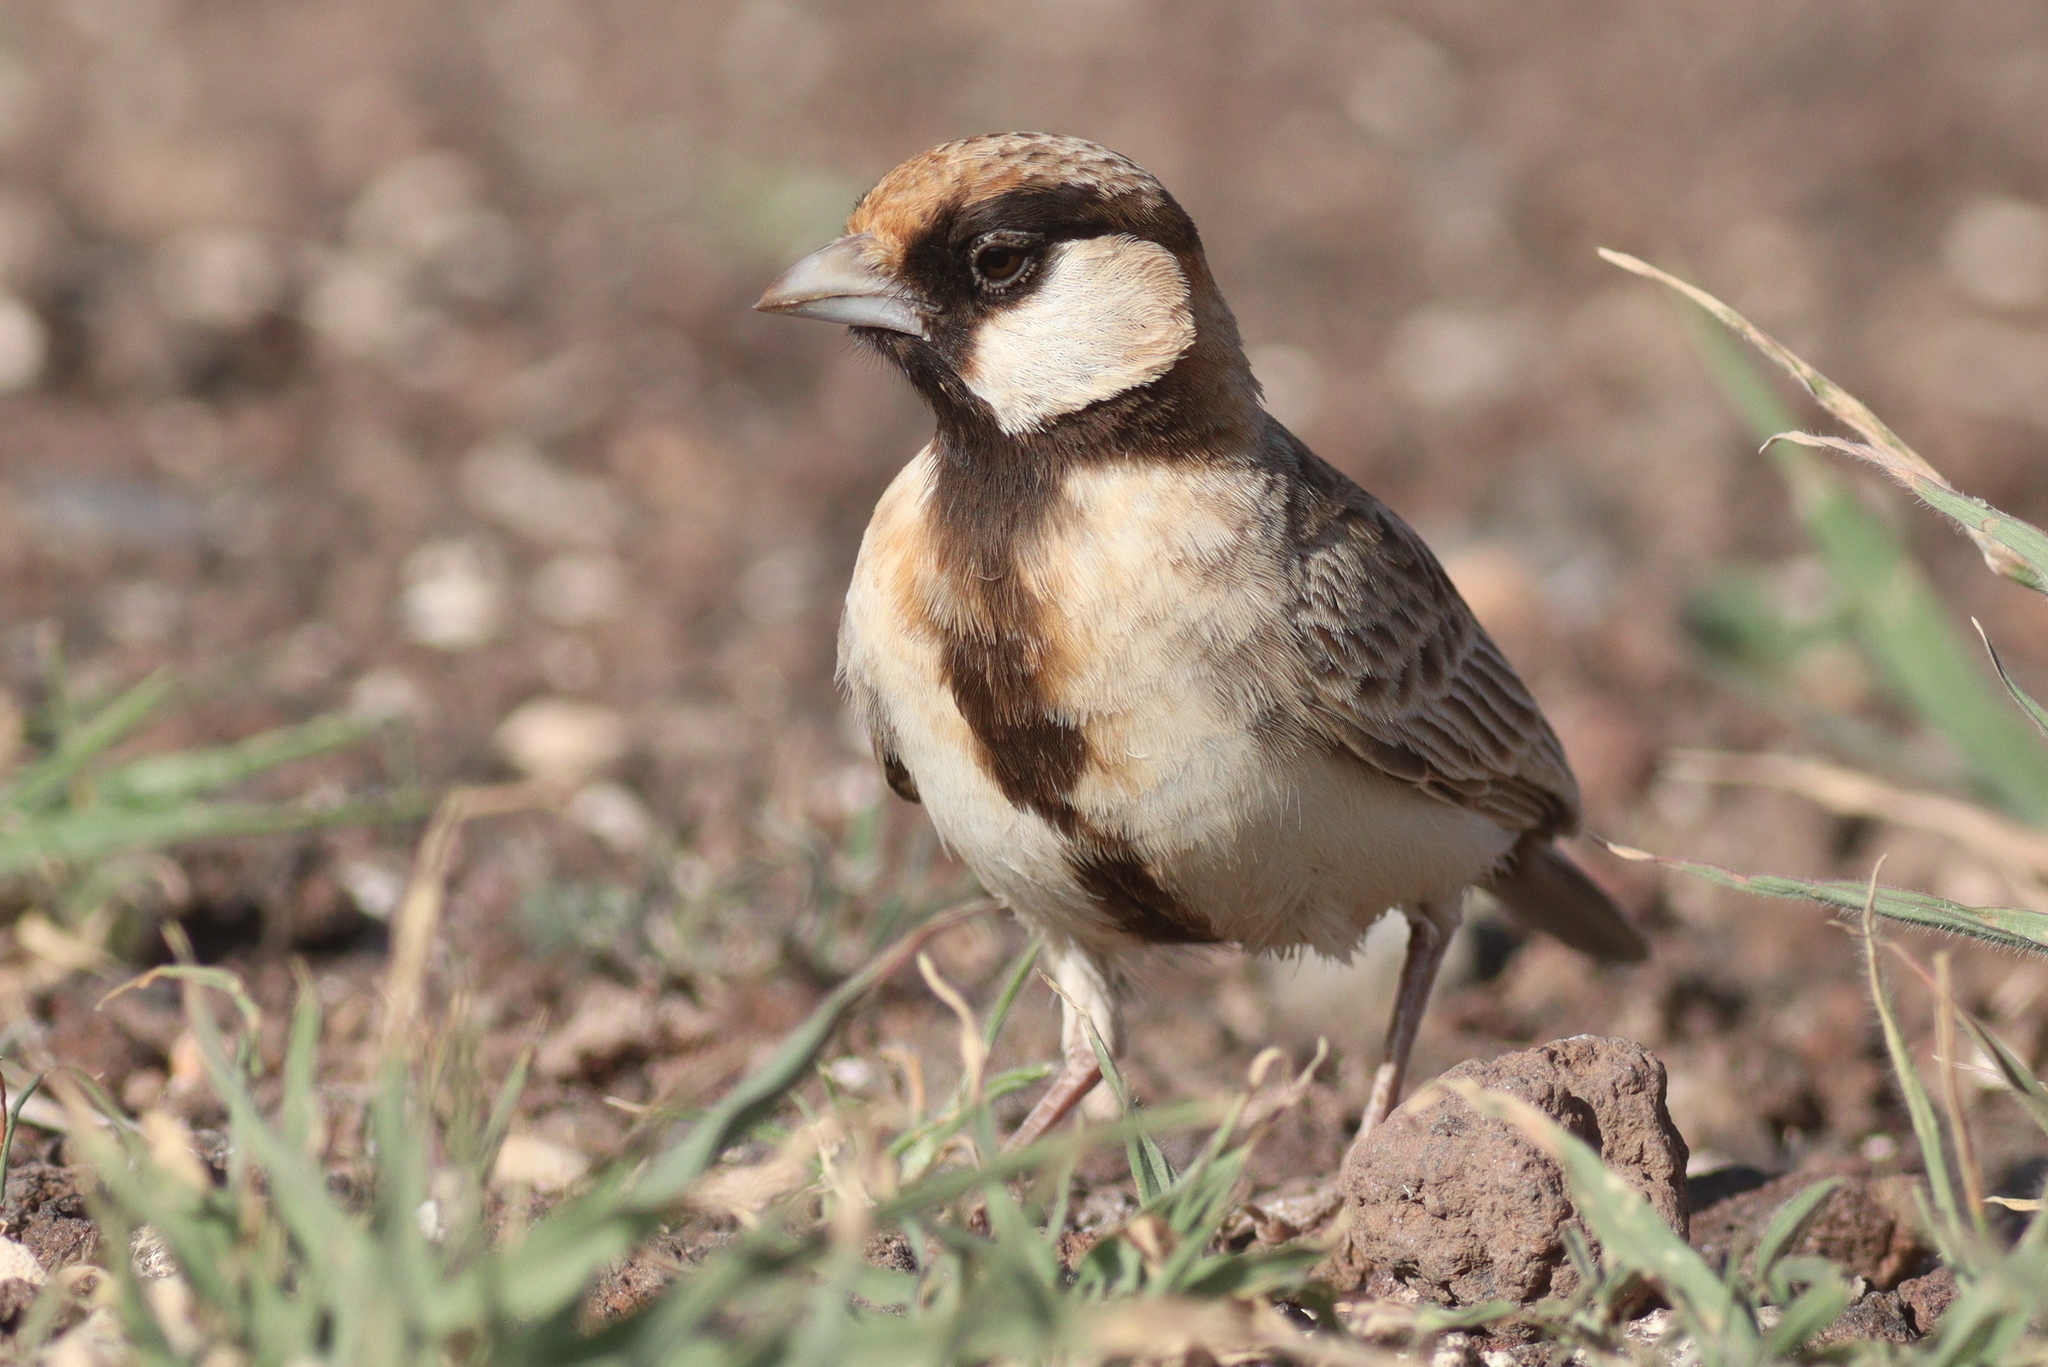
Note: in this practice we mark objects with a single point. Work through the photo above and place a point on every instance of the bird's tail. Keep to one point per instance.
(1547, 891)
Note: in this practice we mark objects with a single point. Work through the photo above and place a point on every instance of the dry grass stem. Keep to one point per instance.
(1885, 449)
(973, 1053)
(1951, 1092)
(418, 917)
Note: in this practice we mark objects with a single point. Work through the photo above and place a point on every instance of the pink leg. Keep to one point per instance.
(1428, 940)
(1078, 1075)
(1087, 998)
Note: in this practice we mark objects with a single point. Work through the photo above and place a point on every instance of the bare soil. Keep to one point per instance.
(396, 354)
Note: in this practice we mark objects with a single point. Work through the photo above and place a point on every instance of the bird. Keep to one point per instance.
(1159, 674)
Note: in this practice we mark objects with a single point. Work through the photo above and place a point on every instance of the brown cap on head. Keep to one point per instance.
(905, 203)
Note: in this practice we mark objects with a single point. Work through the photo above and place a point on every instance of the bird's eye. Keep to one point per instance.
(998, 264)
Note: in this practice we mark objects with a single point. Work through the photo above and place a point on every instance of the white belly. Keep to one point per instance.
(1165, 609)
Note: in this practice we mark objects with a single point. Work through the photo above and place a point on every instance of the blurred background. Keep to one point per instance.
(395, 357)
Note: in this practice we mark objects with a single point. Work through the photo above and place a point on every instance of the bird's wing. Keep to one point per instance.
(1402, 675)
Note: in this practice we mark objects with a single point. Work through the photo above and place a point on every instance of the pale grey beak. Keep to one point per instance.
(836, 284)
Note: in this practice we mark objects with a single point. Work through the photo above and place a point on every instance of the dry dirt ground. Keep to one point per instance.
(395, 354)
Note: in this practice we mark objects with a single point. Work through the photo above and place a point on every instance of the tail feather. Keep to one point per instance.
(1547, 891)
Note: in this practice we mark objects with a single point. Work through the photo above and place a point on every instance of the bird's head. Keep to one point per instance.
(1028, 283)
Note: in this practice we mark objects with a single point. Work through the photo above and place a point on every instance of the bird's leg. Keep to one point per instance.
(1086, 998)
(1428, 939)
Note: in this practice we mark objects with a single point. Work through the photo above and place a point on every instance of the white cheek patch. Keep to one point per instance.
(1109, 314)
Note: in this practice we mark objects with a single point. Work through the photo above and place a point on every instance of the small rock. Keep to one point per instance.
(1876, 1316)
(1455, 1208)
(1867, 1226)
(527, 1160)
(224, 278)
(454, 596)
(561, 739)
(46, 1210)
(18, 1264)
(612, 813)
(1927, 1297)
(892, 1251)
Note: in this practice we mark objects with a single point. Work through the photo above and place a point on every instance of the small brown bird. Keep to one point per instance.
(1160, 674)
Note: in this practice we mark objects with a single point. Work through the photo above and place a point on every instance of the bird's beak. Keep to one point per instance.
(836, 284)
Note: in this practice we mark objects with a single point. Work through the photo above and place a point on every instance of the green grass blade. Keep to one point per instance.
(1883, 447)
(1013, 987)
(80, 745)
(1149, 1168)
(2014, 928)
(188, 774)
(560, 1255)
(2026, 542)
(14, 1120)
(1897, 619)
(299, 1108)
(100, 831)
(2035, 712)
(1789, 1224)
(756, 1097)
(2018, 1078)
(2014, 549)
(499, 1123)
(1926, 1128)
(1813, 1310)
(1981, 1326)
(1632, 1235)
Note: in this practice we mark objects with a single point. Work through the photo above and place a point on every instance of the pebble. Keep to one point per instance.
(527, 1160)
(454, 597)
(16, 1262)
(615, 815)
(562, 739)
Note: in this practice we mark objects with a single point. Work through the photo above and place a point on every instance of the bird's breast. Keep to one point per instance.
(1096, 703)
(1170, 644)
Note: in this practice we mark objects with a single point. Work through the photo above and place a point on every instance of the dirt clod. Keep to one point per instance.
(1927, 1297)
(45, 1209)
(1453, 1207)
(1876, 1316)
(1867, 1225)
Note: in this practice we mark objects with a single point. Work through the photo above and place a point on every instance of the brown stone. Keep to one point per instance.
(1878, 1316)
(45, 1209)
(1867, 1226)
(1456, 1208)
(1927, 1297)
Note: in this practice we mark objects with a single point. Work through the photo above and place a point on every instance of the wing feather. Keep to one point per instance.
(1402, 675)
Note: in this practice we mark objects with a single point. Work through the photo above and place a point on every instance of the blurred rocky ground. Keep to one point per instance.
(396, 355)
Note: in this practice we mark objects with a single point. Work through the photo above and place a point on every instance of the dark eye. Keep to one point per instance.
(999, 264)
